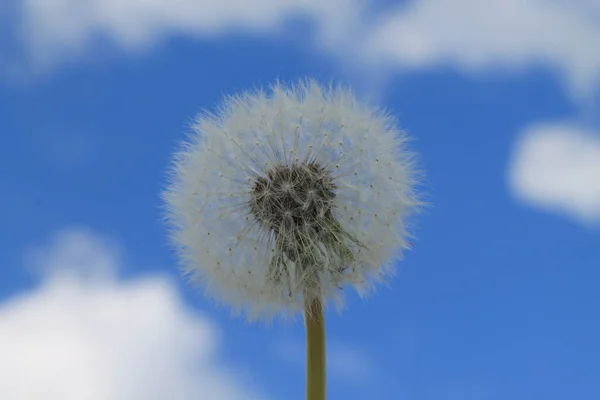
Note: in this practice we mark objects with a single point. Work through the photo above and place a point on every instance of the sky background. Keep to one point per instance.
(498, 298)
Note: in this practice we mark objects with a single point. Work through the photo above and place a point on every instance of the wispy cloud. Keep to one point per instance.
(556, 167)
(52, 32)
(470, 35)
(82, 334)
(476, 36)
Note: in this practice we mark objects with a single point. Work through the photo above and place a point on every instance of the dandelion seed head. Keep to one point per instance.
(289, 195)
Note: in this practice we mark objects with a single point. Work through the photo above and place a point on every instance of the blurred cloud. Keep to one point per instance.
(470, 35)
(62, 29)
(556, 167)
(84, 335)
(475, 35)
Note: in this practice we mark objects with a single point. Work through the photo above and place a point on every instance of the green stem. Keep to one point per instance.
(315, 351)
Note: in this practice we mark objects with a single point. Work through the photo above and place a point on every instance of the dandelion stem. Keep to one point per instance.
(315, 351)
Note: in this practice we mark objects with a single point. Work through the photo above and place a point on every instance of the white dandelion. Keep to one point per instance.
(284, 197)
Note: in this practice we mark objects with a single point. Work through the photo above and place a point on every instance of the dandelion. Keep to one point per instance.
(283, 197)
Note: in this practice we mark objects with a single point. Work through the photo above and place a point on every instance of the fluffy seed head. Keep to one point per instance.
(288, 195)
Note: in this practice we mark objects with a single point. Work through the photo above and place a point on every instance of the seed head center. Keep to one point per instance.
(293, 197)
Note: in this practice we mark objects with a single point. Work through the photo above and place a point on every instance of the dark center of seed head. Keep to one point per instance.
(292, 198)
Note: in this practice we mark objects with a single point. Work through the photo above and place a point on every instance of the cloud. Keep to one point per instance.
(474, 36)
(344, 361)
(471, 35)
(556, 167)
(63, 29)
(84, 335)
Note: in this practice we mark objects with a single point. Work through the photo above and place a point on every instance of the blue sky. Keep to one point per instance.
(496, 300)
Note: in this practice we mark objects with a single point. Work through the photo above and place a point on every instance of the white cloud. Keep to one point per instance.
(475, 35)
(557, 167)
(84, 335)
(471, 35)
(53, 30)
